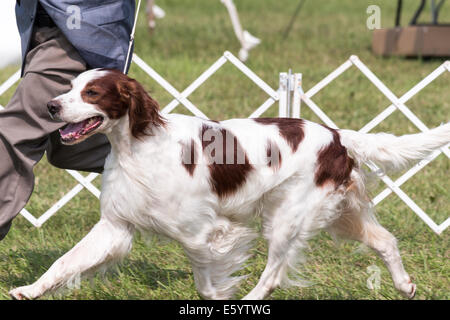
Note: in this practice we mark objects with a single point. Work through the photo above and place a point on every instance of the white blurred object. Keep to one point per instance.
(10, 52)
(158, 12)
(154, 12)
(247, 41)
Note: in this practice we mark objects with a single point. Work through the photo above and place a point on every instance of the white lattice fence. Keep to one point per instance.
(288, 83)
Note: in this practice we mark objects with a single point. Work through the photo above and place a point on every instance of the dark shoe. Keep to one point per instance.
(4, 229)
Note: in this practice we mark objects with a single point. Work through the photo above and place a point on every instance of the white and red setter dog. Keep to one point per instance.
(202, 182)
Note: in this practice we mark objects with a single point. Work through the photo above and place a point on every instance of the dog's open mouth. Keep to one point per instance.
(75, 131)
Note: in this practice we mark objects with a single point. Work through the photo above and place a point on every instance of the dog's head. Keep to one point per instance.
(98, 100)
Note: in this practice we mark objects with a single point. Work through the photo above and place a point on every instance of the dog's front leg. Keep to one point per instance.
(107, 242)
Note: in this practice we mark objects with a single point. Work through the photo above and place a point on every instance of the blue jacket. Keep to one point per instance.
(103, 35)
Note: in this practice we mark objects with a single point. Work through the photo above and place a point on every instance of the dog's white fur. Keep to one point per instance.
(146, 187)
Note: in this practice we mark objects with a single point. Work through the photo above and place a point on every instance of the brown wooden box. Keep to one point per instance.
(418, 40)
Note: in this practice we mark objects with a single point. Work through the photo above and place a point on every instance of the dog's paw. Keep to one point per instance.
(22, 293)
(412, 291)
(408, 289)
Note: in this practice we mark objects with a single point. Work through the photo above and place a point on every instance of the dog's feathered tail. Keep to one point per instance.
(391, 152)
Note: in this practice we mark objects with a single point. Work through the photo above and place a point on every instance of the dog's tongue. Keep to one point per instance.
(73, 128)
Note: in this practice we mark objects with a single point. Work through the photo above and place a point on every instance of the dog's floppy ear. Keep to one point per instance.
(143, 111)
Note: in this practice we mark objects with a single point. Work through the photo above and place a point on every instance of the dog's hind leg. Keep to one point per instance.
(302, 212)
(363, 227)
(107, 242)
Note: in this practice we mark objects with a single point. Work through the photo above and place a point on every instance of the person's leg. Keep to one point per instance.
(5, 229)
(88, 156)
(25, 124)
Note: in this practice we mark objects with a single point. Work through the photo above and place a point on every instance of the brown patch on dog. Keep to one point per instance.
(228, 171)
(333, 163)
(273, 154)
(189, 156)
(291, 129)
(116, 94)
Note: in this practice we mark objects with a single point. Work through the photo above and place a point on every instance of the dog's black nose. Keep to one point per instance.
(53, 107)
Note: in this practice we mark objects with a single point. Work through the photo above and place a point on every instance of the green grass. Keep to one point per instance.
(193, 35)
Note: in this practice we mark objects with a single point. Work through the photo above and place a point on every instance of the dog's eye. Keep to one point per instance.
(91, 93)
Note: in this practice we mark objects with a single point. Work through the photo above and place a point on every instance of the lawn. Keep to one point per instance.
(192, 36)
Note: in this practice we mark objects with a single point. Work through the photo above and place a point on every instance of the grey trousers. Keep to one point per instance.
(26, 130)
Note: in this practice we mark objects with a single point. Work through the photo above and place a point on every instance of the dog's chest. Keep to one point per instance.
(138, 191)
